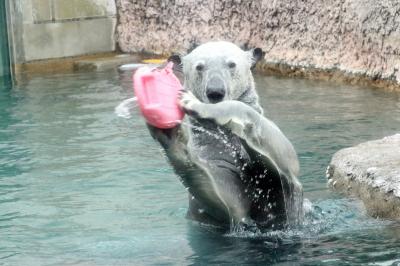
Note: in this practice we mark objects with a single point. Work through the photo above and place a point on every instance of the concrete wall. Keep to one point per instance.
(360, 37)
(45, 29)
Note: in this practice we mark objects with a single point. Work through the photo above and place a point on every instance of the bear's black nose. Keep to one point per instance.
(215, 90)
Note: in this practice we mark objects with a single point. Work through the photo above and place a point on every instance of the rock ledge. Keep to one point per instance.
(370, 171)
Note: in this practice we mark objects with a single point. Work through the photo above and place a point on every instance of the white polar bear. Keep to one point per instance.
(237, 165)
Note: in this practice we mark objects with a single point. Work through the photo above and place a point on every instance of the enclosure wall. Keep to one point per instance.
(45, 29)
(354, 36)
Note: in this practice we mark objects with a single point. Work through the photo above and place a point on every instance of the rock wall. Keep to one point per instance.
(355, 37)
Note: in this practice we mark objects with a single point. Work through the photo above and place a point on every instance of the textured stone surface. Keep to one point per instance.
(370, 171)
(359, 37)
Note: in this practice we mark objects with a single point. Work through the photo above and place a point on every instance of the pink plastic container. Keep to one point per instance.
(157, 92)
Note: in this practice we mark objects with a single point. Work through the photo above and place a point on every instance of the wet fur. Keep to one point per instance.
(237, 165)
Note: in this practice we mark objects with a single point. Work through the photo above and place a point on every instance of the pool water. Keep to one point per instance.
(81, 186)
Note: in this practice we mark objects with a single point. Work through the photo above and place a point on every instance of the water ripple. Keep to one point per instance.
(79, 185)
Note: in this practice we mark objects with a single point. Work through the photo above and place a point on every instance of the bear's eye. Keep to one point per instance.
(231, 65)
(200, 67)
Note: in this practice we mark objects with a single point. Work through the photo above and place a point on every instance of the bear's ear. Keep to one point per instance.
(176, 59)
(177, 68)
(256, 55)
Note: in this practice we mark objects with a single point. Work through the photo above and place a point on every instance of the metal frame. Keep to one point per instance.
(5, 59)
(9, 29)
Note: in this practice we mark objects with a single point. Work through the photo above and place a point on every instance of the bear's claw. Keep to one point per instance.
(188, 102)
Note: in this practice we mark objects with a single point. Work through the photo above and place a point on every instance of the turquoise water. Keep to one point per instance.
(81, 186)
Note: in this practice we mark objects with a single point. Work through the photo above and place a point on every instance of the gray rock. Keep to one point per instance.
(370, 171)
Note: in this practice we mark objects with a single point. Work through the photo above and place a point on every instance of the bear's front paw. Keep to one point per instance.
(189, 103)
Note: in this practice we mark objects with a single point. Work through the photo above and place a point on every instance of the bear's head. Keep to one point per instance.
(220, 71)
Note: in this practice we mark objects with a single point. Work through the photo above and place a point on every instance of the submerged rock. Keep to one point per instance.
(370, 171)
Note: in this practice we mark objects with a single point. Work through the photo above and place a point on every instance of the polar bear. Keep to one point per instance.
(237, 165)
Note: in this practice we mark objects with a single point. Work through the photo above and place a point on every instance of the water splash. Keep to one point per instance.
(126, 107)
(322, 219)
(221, 135)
